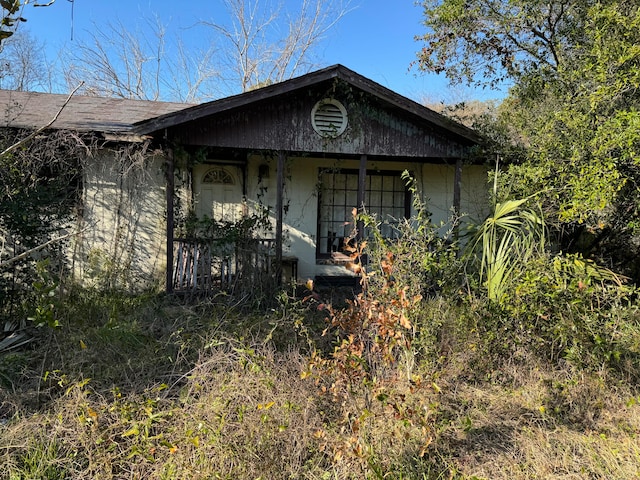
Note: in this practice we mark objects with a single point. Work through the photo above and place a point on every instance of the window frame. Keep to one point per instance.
(328, 254)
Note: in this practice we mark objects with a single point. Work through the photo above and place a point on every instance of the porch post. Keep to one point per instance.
(457, 186)
(279, 215)
(362, 185)
(170, 220)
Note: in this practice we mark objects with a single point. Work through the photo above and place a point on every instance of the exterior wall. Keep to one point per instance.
(474, 201)
(437, 185)
(124, 211)
(124, 216)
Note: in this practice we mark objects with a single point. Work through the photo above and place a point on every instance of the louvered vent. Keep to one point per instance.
(329, 118)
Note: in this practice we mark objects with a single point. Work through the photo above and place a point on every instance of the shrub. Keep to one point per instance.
(381, 411)
(568, 307)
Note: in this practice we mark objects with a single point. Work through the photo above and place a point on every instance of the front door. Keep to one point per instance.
(218, 190)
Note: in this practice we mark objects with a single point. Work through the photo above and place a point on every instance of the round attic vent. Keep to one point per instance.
(329, 118)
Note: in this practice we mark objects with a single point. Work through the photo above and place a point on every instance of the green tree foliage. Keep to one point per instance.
(11, 11)
(10, 17)
(486, 42)
(573, 66)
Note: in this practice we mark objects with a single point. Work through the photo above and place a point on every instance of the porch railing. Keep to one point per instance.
(215, 266)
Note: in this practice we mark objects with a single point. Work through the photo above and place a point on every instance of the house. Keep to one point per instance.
(304, 152)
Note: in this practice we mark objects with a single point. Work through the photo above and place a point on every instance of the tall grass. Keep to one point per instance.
(417, 377)
(236, 407)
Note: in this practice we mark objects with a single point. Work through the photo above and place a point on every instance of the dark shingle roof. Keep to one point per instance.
(140, 117)
(82, 113)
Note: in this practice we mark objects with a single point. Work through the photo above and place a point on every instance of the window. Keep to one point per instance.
(386, 197)
(218, 176)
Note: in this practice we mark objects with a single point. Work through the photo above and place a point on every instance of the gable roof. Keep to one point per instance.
(273, 91)
(120, 116)
(82, 113)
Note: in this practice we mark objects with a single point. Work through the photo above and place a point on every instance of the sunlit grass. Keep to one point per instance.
(158, 389)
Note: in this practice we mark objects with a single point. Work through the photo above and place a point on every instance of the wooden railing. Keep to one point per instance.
(217, 266)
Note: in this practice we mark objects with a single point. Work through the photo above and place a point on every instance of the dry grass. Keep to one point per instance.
(238, 413)
(541, 422)
(204, 392)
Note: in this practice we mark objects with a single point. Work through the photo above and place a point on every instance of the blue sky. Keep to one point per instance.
(376, 38)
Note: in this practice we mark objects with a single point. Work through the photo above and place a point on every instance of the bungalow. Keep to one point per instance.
(168, 184)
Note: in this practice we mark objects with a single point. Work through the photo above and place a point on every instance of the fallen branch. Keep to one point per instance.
(39, 130)
(17, 258)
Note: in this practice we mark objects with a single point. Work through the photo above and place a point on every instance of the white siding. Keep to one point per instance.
(124, 213)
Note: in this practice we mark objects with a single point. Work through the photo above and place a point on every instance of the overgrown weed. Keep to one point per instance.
(418, 376)
(239, 413)
(540, 421)
(230, 403)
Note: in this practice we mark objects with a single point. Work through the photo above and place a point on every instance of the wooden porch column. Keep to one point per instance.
(457, 187)
(362, 185)
(279, 217)
(170, 220)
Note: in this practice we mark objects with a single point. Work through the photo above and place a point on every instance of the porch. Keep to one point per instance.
(309, 150)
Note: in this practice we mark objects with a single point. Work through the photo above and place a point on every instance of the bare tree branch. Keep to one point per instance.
(257, 53)
(17, 258)
(23, 63)
(118, 62)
